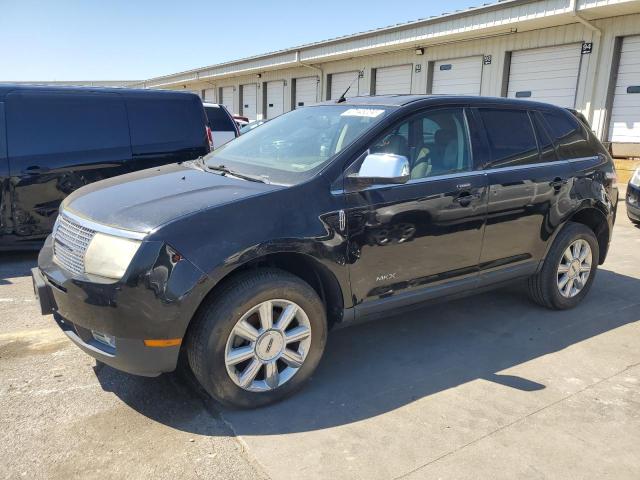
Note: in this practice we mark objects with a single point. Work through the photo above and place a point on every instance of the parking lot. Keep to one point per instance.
(489, 386)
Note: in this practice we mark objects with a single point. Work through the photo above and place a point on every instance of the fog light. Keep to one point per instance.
(104, 338)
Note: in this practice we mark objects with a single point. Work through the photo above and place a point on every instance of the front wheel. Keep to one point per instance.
(569, 269)
(259, 340)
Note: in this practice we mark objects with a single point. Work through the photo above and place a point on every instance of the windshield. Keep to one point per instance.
(293, 147)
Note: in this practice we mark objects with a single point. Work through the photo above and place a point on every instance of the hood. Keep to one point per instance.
(144, 200)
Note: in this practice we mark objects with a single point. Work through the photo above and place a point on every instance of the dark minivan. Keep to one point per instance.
(54, 140)
(243, 260)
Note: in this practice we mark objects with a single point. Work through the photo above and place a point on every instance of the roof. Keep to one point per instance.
(402, 100)
(6, 88)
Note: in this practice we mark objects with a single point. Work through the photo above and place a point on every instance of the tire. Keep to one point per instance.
(544, 285)
(214, 335)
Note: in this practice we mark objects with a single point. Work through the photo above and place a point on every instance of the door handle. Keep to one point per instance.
(465, 198)
(36, 169)
(558, 182)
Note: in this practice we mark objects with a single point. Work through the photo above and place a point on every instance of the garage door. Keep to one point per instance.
(393, 80)
(250, 101)
(209, 95)
(458, 76)
(275, 99)
(306, 91)
(341, 81)
(228, 99)
(625, 114)
(547, 74)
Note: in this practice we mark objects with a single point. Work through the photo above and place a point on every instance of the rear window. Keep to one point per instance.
(569, 135)
(510, 136)
(40, 123)
(219, 120)
(161, 123)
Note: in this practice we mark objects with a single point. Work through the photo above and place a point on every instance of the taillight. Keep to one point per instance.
(210, 137)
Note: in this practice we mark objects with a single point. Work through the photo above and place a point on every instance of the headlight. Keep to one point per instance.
(635, 180)
(109, 256)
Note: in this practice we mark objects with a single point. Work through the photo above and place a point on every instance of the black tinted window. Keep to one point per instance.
(569, 135)
(511, 138)
(547, 151)
(41, 123)
(219, 120)
(162, 123)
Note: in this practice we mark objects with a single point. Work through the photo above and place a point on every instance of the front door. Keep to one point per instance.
(408, 240)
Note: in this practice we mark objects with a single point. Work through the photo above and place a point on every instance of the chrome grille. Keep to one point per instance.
(70, 242)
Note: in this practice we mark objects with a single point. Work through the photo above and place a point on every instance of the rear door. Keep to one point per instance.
(528, 191)
(57, 142)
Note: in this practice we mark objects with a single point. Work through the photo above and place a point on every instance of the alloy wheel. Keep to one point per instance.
(574, 268)
(268, 345)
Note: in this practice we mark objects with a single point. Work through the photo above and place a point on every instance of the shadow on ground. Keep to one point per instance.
(16, 264)
(380, 366)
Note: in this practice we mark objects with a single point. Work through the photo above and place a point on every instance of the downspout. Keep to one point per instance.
(598, 39)
(317, 69)
(574, 13)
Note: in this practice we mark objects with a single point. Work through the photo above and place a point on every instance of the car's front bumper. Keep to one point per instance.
(153, 302)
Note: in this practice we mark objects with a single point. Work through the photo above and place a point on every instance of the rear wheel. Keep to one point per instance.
(569, 269)
(259, 340)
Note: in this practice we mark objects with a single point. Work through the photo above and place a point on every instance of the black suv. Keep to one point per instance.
(54, 140)
(243, 260)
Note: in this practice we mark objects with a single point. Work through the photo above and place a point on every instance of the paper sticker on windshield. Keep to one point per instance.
(362, 112)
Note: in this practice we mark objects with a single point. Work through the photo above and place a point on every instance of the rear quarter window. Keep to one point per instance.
(219, 120)
(162, 123)
(569, 135)
(41, 123)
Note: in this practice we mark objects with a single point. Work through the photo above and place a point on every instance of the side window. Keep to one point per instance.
(218, 119)
(53, 123)
(435, 142)
(547, 152)
(160, 123)
(569, 135)
(510, 136)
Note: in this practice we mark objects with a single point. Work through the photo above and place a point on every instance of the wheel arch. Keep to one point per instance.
(301, 265)
(596, 220)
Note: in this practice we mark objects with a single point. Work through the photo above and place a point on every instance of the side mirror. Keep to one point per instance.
(381, 169)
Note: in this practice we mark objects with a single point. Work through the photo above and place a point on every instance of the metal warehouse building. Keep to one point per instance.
(583, 54)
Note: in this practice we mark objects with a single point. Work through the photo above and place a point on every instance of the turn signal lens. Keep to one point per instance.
(171, 342)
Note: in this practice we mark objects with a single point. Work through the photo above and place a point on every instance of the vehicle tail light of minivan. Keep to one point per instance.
(210, 136)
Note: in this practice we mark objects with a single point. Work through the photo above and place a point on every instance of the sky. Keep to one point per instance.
(139, 39)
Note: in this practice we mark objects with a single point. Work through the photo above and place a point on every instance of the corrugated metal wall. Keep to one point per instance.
(593, 80)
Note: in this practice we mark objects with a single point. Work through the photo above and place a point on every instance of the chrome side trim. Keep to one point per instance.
(106, 229)
(470, 173)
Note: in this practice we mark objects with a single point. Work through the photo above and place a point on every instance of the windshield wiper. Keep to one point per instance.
(226, 171)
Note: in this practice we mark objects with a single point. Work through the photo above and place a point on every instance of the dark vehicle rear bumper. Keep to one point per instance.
(127, 313)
